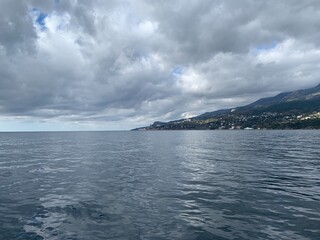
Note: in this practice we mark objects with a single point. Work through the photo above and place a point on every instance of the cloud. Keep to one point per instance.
(17, 31)
(122, 64)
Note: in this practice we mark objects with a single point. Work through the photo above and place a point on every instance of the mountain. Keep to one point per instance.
(299, 95)
(288, 110)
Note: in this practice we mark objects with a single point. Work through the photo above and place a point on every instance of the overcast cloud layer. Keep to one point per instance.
(122, 64)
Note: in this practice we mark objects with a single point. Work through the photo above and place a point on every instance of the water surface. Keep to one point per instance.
(160, 185)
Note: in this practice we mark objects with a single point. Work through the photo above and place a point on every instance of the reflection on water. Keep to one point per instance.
(160, 185)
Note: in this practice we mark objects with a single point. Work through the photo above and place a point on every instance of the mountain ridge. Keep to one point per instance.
(294, 109)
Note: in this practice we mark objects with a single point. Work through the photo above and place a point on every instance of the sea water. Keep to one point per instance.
(160, 185)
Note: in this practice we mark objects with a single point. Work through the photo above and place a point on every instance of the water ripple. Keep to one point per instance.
(160, 185)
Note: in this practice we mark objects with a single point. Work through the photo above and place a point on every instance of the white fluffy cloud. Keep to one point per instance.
(122, 64)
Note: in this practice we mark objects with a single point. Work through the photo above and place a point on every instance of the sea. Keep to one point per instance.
(219, 185)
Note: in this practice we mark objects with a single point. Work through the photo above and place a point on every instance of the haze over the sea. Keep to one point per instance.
(121, 64)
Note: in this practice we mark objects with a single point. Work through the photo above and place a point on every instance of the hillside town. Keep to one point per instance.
(266, 120)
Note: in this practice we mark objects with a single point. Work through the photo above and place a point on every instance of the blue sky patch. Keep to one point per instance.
(40, 18)
(177, 71)
(266, 47)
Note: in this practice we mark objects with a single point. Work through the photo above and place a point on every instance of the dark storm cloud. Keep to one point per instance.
(16, 28)
(203, 28)
(138, 61)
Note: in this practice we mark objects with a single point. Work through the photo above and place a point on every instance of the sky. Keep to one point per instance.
(120, 64)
